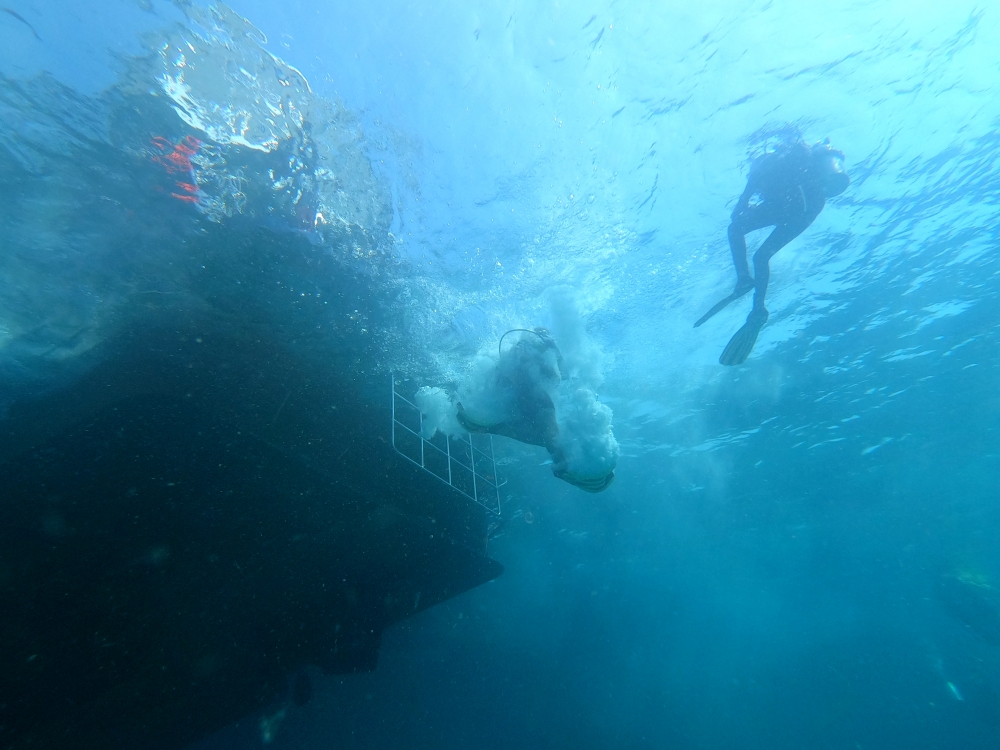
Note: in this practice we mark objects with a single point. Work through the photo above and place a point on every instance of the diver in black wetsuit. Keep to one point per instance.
(526, 374)
(792, 184)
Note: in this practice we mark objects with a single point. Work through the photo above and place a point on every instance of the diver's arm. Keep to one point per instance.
(744, 200)
(761, 174)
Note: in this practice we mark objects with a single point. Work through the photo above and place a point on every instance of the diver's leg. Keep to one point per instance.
(762, 274)
(738, 247)
(781, 236)
(550, 436)
(749, 220)
(744, 283)
(742, 342)
(754, 217)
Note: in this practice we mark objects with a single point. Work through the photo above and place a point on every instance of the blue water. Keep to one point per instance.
(765, 571)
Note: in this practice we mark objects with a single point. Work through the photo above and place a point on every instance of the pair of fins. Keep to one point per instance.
(742, 342)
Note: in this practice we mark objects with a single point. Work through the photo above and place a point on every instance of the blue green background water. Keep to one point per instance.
(763, 572)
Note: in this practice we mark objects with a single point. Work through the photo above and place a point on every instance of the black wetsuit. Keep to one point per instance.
(525, 374)
(790, 185)
(522, 374)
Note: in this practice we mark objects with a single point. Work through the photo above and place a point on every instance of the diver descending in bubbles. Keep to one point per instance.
(793, 184)
(527, 375)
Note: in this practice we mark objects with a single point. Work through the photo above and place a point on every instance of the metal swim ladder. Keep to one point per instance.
(466, 464)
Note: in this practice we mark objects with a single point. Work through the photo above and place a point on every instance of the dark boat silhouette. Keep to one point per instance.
(211, 507)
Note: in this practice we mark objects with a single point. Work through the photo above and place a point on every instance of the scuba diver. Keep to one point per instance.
(792, 184)
(526, 376)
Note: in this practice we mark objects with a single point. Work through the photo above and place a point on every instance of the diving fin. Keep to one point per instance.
(741, 344)
(594, 484)
(468, 424)
(723, 303)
